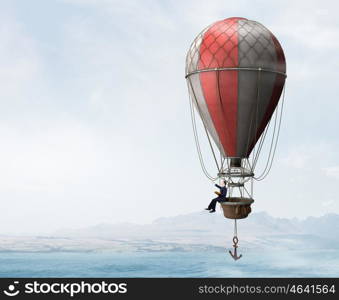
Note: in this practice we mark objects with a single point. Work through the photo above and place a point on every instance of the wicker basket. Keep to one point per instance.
(236, 207)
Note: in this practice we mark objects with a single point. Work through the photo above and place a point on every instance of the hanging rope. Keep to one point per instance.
(235, 228)
(272, 142)
(261, 142)
(269, 164)
(256, 114)
(245, 189)
(235, 242)
(197, 144)
(196, 139)
(201, 116)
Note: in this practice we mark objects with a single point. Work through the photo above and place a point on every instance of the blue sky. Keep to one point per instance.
(94, 114)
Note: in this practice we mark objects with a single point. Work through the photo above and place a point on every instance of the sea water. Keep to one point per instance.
(305, 263)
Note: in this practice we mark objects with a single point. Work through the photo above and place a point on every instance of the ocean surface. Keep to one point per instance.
(302, 263)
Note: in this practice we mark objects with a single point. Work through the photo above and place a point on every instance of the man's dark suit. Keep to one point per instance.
(221, 198)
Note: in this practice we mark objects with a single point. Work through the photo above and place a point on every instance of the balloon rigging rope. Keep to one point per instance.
(211, 146)
(255, 155)
(274, 141)
(201, 116)
(262, 140)
(271, 159)
(263, 176)
(256, 114)
(197, 144)
(261, 143)
(245, 189)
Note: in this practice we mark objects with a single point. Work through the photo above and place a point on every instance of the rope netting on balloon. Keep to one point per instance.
(228, 44)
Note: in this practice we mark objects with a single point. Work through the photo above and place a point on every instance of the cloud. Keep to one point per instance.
(328, 203)
(332, 172)
(297, 160)
(21, 66)
(318, 30)
(307, 156)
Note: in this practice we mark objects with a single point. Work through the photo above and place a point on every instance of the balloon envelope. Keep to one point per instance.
(236, 72)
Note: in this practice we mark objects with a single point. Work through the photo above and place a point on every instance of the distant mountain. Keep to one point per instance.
(200, 231)
(258, 230)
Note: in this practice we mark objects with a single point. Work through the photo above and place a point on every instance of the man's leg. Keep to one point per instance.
(213, 204)
(222, 199)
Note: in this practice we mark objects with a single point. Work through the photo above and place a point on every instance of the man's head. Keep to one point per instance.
(225, 182)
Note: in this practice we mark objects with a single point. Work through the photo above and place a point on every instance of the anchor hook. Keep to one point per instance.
(235, 246)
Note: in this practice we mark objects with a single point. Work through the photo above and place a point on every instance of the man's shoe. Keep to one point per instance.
(207, 208)
(212, 211)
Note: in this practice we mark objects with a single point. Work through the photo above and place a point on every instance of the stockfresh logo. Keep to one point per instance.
(70, 288)
(12, 289)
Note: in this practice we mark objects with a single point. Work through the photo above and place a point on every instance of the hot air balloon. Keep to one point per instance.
(235, 72)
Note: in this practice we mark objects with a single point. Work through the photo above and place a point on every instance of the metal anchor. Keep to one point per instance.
(235, 246)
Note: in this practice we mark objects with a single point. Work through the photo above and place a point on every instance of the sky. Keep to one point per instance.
(94, 114)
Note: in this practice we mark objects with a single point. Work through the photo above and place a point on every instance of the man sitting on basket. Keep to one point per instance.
(221, 197)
